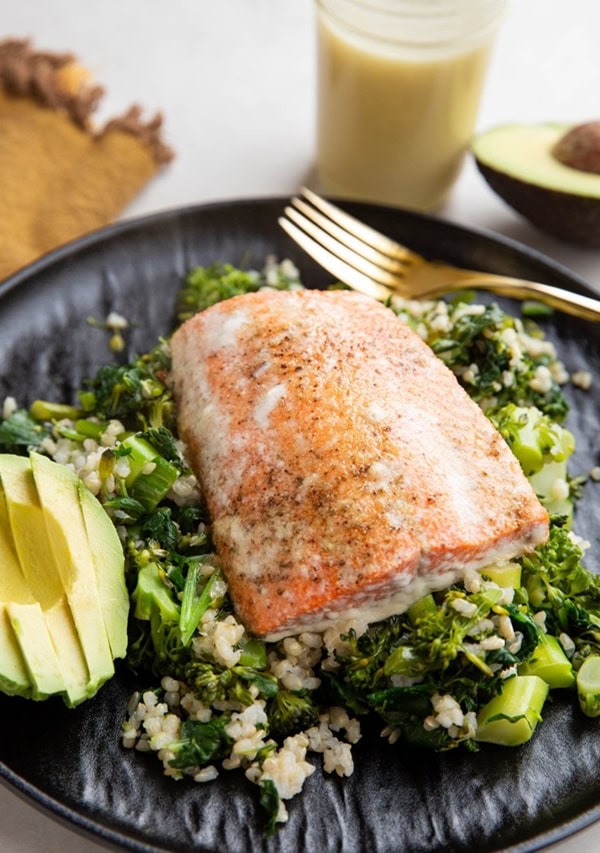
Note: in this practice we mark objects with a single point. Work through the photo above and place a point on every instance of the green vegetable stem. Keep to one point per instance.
(588, 686)
(510, 718)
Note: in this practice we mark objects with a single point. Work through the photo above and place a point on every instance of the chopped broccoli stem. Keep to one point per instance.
(504, 574)
(551, 485)
(588, 686)
(152, 596)
(423, 607)
(550, 663)
(510, 718)
(151, 476)
(42, 410)
(90, 429)
(543, 448)
(254, 654)
(532, 308)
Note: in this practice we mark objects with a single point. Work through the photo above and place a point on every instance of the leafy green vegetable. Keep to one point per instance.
(194, 606)
(269, 800)
(163, 442)
(160, 527)
(21, 431)
(201, 743)
(135, 393)
(434, 649)
(205, 286)
(480, 344)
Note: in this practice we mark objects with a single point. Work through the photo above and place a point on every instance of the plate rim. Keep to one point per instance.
(136, 223)
(92, 828)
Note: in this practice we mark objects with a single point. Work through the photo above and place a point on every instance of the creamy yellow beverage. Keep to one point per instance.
(393, 122)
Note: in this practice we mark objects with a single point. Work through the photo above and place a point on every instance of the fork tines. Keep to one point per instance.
(352, 251)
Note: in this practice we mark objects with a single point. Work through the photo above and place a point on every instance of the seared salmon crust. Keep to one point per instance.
(345, 470)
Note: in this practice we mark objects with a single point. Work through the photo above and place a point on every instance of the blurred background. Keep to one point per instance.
(236, 82)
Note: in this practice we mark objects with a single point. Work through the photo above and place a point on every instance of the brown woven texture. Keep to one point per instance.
(60, 175)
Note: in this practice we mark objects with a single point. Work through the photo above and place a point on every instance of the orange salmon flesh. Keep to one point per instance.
(345, 470)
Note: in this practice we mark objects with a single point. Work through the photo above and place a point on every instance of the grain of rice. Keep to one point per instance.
(465, 608)
(207, 774)
(9, 407)
(582, 379)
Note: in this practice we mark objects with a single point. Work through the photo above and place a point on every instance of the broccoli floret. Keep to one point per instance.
(290, 712)
(543, 448)
(205, 286)
(209, 683)
(135, 393)
(558, 583)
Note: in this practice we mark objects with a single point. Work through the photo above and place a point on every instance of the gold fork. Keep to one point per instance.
(372, 263)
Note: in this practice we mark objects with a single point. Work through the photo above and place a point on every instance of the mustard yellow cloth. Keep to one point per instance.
(59, 176)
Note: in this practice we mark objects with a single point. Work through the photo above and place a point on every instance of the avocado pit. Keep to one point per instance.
(579, 148)
(549, 173)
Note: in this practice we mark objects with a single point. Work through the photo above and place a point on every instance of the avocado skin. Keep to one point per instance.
(571, 218)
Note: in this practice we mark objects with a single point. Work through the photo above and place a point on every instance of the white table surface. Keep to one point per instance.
(235, 79)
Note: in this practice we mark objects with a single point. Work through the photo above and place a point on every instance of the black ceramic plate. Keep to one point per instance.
(71, 762)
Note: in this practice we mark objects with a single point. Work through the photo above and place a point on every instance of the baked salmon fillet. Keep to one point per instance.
(345, 470)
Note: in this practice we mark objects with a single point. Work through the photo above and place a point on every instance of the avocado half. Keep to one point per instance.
(520, 164)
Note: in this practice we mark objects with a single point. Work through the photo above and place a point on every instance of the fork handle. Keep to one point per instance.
(563, 300)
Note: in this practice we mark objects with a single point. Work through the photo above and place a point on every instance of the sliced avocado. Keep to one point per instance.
(109, 562)
(521, 163)
(58, 492)
(39, 652)
(14, 678)
(28, 528)
(28, 661)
